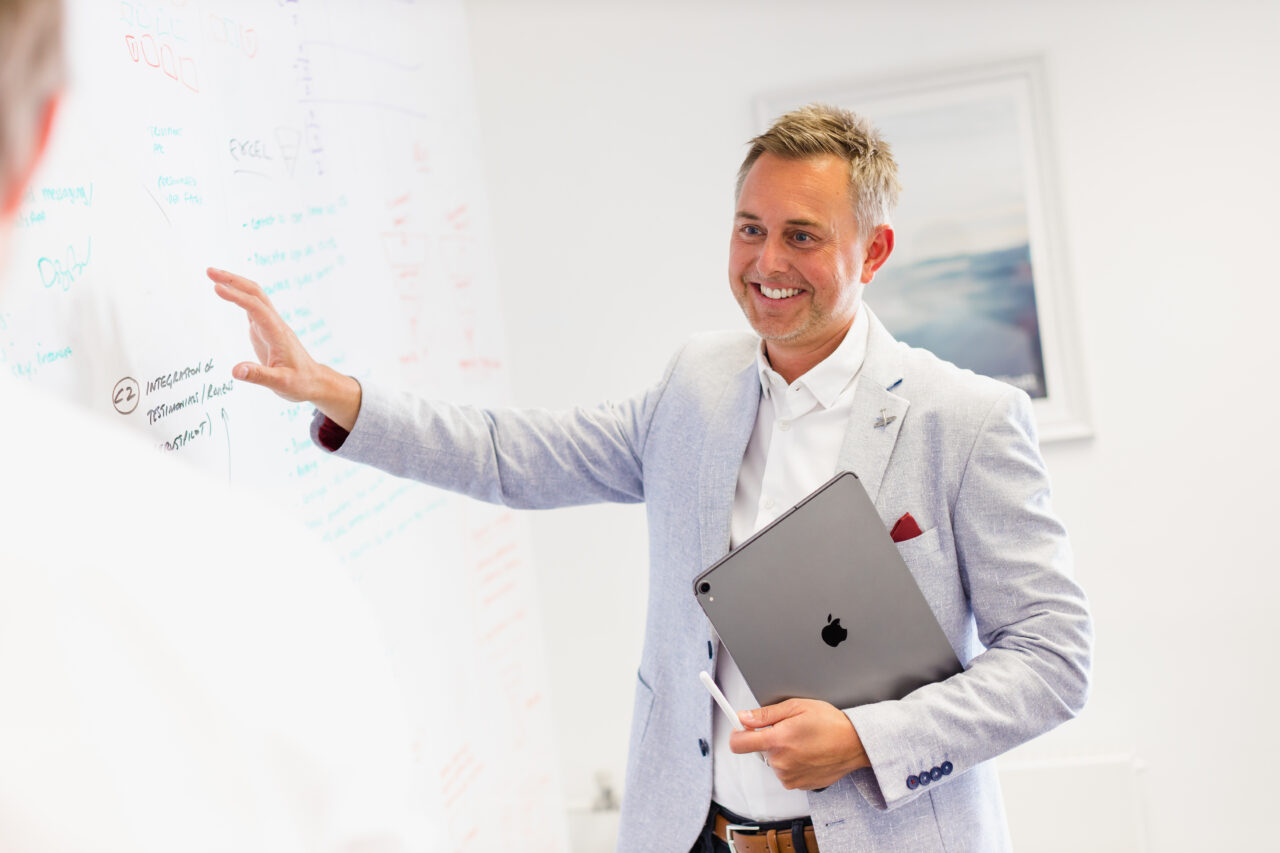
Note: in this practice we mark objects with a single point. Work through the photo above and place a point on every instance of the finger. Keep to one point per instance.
(227, 283)
(770, 715)
(230, 279)
(744, 742)
(273, 378)
(258, 307)
(246, 298)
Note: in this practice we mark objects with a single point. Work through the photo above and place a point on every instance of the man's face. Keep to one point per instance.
(797, 264)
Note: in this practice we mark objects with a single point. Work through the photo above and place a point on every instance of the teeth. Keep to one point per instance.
(778, 294)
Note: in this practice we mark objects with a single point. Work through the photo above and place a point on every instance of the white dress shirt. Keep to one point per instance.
(794, 447)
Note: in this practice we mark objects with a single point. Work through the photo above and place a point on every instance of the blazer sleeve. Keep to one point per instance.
(1014, 560)
(522, 458)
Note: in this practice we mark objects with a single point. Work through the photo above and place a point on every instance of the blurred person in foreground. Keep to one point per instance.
(179, 672)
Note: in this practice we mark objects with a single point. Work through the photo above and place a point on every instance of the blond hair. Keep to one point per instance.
(32, 70)
(819, 129)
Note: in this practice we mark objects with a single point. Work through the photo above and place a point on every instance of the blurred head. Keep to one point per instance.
(819, 129)
(32, 72)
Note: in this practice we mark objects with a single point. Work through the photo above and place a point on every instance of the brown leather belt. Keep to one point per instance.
(747, 839)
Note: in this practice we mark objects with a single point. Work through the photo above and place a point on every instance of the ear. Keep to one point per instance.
(13, 198)
(879, 247)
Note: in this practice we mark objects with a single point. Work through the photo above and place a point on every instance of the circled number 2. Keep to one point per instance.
(125, 395)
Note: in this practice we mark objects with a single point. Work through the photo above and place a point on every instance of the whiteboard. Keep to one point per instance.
(325, 148)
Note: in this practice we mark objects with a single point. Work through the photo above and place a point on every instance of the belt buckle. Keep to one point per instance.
(730, 829)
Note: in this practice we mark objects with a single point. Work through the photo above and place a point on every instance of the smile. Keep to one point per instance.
(781, 293)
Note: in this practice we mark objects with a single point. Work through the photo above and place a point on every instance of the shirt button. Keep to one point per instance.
(784, 425)
(769, 503)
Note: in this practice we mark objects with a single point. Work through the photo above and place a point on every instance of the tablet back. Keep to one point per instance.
(820, 605)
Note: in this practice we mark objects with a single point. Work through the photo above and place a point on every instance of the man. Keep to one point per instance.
(739, 429)
(179, 672)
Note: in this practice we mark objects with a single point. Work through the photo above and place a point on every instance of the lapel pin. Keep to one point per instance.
(883, 421)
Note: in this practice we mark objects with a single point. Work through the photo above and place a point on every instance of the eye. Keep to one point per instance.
(750, 231)
(802, 237)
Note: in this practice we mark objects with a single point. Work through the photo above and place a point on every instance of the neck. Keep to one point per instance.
(793, 361)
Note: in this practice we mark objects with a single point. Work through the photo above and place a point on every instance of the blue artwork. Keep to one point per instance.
(961, 281)
(975, 310)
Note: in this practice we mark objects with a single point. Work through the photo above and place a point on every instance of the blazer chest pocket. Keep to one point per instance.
(922, 546)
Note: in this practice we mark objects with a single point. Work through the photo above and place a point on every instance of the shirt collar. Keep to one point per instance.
(830, 377)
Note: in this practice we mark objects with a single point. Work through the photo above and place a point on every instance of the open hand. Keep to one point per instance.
(284, 365)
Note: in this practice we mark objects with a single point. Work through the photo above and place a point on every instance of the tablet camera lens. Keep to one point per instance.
(704, 588)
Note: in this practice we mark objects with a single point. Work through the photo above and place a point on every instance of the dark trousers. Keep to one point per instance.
(708, 843)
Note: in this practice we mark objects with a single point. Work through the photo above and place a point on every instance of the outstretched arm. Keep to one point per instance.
(284, 365)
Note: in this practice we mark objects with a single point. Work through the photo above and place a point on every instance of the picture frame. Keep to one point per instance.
(978, 273)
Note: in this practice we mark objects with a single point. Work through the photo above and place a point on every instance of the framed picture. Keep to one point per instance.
(977, 274)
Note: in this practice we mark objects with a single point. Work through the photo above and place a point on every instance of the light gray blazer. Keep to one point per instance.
(960, 455)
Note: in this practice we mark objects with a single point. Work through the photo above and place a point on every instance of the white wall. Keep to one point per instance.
(612, 131)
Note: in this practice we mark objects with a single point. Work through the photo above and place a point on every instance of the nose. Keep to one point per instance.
(773, 258)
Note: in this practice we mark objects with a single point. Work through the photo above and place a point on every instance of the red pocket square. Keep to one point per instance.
(906, 528)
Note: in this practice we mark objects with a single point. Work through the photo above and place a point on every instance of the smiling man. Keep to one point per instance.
(740, 428)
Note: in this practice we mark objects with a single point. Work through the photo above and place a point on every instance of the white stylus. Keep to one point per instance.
(714, 689)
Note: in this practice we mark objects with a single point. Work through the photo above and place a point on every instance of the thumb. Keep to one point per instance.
(273, 378)
(769, 715)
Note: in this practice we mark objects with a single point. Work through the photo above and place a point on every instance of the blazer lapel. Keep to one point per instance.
(877, 412)
(724, 444)
(868, 443)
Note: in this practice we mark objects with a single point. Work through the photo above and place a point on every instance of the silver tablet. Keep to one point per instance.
(820, 605)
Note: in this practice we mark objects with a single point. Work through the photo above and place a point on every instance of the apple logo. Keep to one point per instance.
(834, 634)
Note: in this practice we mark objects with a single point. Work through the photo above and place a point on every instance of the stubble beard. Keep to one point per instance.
(811, 319)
